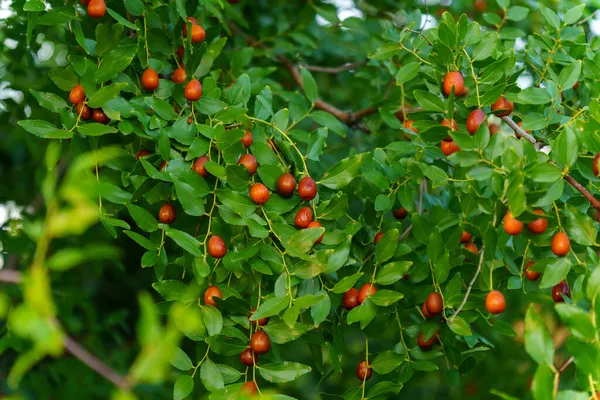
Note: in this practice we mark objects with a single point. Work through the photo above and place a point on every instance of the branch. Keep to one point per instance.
(464, 301)
(10, 276)
(335, 70)
(538, 145)
(559, 373)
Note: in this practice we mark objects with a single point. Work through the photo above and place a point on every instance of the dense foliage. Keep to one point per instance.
(215, 199)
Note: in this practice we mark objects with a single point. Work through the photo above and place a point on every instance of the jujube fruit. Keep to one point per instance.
(480, 6)
(84, 111)
(474, 120)
(425, 311)
(495, 302)
(307, 188)
(163, 165)
(247, 357)
(286, 184)
(249, 161)
(512, 226)
(142, 153)
(149, 79)
(212, 291)
(559, 289)
(180, 52)
(448, 147)
(249, 388)
(350, 299)
(363, 371)
(77, 95)
(198, 34)
(408, 124)
(260, 342)
(199, 167)
(454, 79)
(529, 274)
(595, 165)
(166, 214)
(96, 8)
(100, 117)
(216, 247)
(561, 244)
(434, 304)
(259, 193)
(378, 237)
(260, 321)
(247, 139)
(450, 124)
(316, 224)
(184, 28)
(303, 218)
(502, 107)
(538, 225)
(368, 289)
(178, 75)
(426, 344)
(493, 128)
(84, 2)
(465, 237)
(193, 90)
(400, 213)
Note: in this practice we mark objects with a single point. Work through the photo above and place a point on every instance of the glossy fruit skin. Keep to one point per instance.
(378, 237)
(249, 388)
(180, 52)
(363, 371)
(149, 80)
(163, 165)
(454, 79)
(480, 6)
(529, 274)
(84, 2)
(434, 304)
(100, 117)
(450, 124)
(247, 357)
(465, 237)
(425, 311)
(260, 321)
(84, 111)
(286, 184)
(303, 217)
(472, 247)
(539, 225)
(316, 224)
(426, 344)
(408, 124)
(199, 167)
(448, 147)
(216, 247)
(142, 153)
(193, 90)
(595, 165)
(504, 105)
(166, 214)
(561, 244)
(198, 34)
(259, 193)
(475, 119)
(368, 289)
(350, 299)
(307, 188)
(96, 8)
(558, 289)
(512, 226)
(249, 161)
(212, 291)
(493, 128)
(495, 302)
(77, 95)
(400, 213)
(179, 75)
(260, 342)
(184, 28)
(247, 139)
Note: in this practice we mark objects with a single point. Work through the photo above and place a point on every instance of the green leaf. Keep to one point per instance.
(538, 342)
(105, 94)
(386, 362)
(304, 239)
(270, 307)
(69, 257)
(534, 95)
(392, 272)
(580, 226)
(184, 240)
(459, 326)
(310, 86)
(122, 20)
(49, 101)
(44, 129)
(364, 313)
(573, 14)
(328, 121)
(386, 247)
(543, 383)
(281, 372)
(346, 283)
(342, 173)
(212, 320)
(211, 376)
(95, 129)
(142, 218)
(555, 272)
(577, 320)
(115, 62)
(385, 52)
(386, 297)
(545, 173)
(517, 13)
(188, 197)
(65, 79)
(239, 202)
(408, 72)
(429, 101)
(550, 16)
(181, 360)
(184, 385)
(565, 148)
(170, 290)
(569, 75)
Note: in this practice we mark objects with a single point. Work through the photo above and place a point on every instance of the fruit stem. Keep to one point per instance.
(464, 301)
(414, 54)
(474, 77)
(146, 42)
(402, 335)
(523, 265)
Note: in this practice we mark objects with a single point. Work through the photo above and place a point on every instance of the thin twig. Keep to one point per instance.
(10, 276)
(405, 233)
(521, 132)
(566, 365)
(559, 373)
(464, 301)
(335, 70)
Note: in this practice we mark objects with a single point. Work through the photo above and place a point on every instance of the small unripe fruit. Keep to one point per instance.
(77, 95)
(560, 289)
(249, 161)
(260, 342)
(502, 107)
(454, 79)
(316, 224)
(149, 80)
(193, 90)
(539, 225)
(198, 34)
(259, 193)
(368, 289)
(595, 165)
(495, 302)
(178, 75)
(448, 147)
(286, 184)
(249, 388)
(216, 247)
(307, 188)
(434, 304)
(529, 274)
(212, 291)
(512, 226)
(260, 321)
(84, 111)
(475, 119)
(247, 357)
(142, 153)
(100, 117)
(400, 213)
(96, 8)
(465, 237)
(247, 139)
(378, 237)
(350, 299)
(426, 344)
(408, 124)
(303, 218)
(166, 214)
(561, 244)
(450, 124)
(363, 371)
(199, 167)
